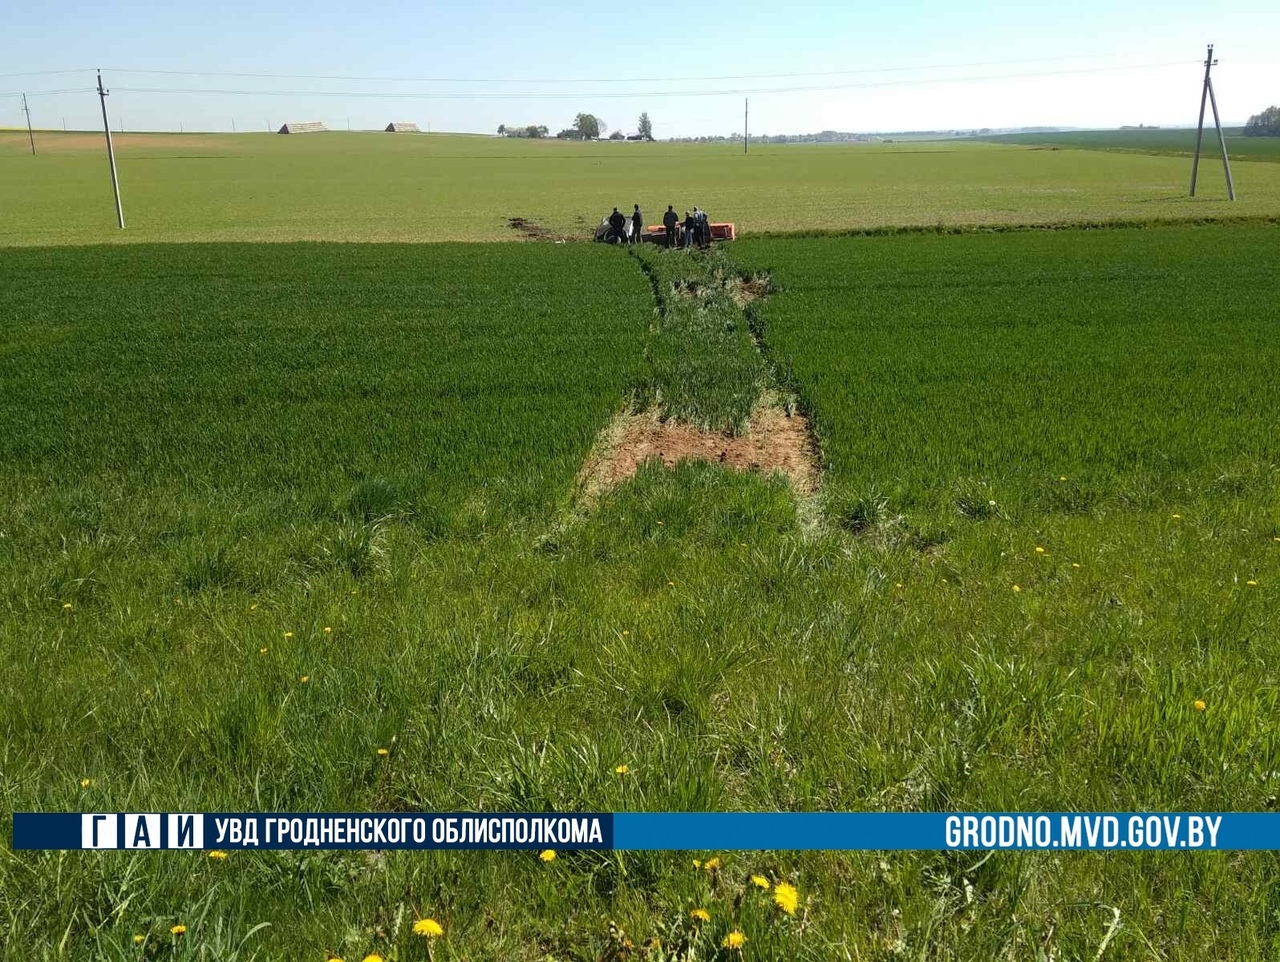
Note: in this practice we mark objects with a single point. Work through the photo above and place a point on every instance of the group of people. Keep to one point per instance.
(693, 231)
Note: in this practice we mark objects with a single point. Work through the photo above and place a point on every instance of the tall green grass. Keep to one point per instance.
(686, 629)
(1035, 373)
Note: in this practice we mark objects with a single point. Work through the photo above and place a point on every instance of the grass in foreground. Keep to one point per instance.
(388, 187)
(689, 631)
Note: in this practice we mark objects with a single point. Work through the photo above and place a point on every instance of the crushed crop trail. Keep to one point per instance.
(709, 393)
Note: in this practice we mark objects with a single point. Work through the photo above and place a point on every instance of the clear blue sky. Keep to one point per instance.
(520, 43)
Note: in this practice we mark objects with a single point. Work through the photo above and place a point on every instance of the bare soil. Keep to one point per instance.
(534, 230)
(776, 441)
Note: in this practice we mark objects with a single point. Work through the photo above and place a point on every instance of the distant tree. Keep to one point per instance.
(589, 126)
(536, 131)
(502, 130)
(645, 127)
(569, 133)
(617, 135)
(1265, 124)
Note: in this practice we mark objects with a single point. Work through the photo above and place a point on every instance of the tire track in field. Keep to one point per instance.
(776, 436)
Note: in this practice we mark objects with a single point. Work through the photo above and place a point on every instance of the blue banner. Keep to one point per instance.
(652, 831)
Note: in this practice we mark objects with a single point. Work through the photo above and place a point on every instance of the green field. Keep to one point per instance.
(387, 187)
(1018, 358)
(1176, 141)
(265, 510)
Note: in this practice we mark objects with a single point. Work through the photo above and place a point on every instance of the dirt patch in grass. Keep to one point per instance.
(743, 290)
(776, 441)
(533, 230)
(748, 289)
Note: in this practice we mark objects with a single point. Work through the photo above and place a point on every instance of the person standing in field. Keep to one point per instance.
(670, 220)
(700, 227)
(618, 221)
(637, 222)
(689, 225)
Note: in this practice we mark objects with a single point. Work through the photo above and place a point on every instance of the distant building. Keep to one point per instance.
(306, 128)
(401, 127)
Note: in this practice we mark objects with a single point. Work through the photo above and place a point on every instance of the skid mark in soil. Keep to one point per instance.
(776, 441)
(534, 230)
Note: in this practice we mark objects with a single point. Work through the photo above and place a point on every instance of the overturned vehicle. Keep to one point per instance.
(606, 233)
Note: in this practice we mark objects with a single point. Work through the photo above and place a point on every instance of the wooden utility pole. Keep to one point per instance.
(746, 109)
(1207, 93)
(30, 135)
(111, 154)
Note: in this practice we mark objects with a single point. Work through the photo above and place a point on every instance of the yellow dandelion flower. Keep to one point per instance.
(1200, 705)
(697, 864)
(700, 915)
(384, 752)
(86, 782)
(304, 679)
(1176, 517)
(1252, 584)
(372, 957)
(177, 930)
(262, 651)
(661, 522)
(1075, 564)
(254, 606)
(428, 927)
(288, 634)
(760, 882)
(67, 606)
(897, 584)
(547, 855)
(1017, 589)
(734, 940)
(1039, 550)
(672, 584)
(625, 632)
(333, 958)
(217, 855)
(622, 770)
(328, 630)
(1062, 477)
(711, 864)
(786, 897)
(139, 939)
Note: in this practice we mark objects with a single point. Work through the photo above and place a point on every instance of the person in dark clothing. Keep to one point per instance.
(670, 220)
(637, 222)
(689, 225)
(618, 221)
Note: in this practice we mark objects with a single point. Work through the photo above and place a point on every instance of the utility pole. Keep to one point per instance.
(746, 107)
(1207, 93)
(30, 135)
(111, 154)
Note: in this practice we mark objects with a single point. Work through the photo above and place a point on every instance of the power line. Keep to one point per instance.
(629, 95)
(568, 80)
(46, 73)
(601, 80)
(45, 93)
